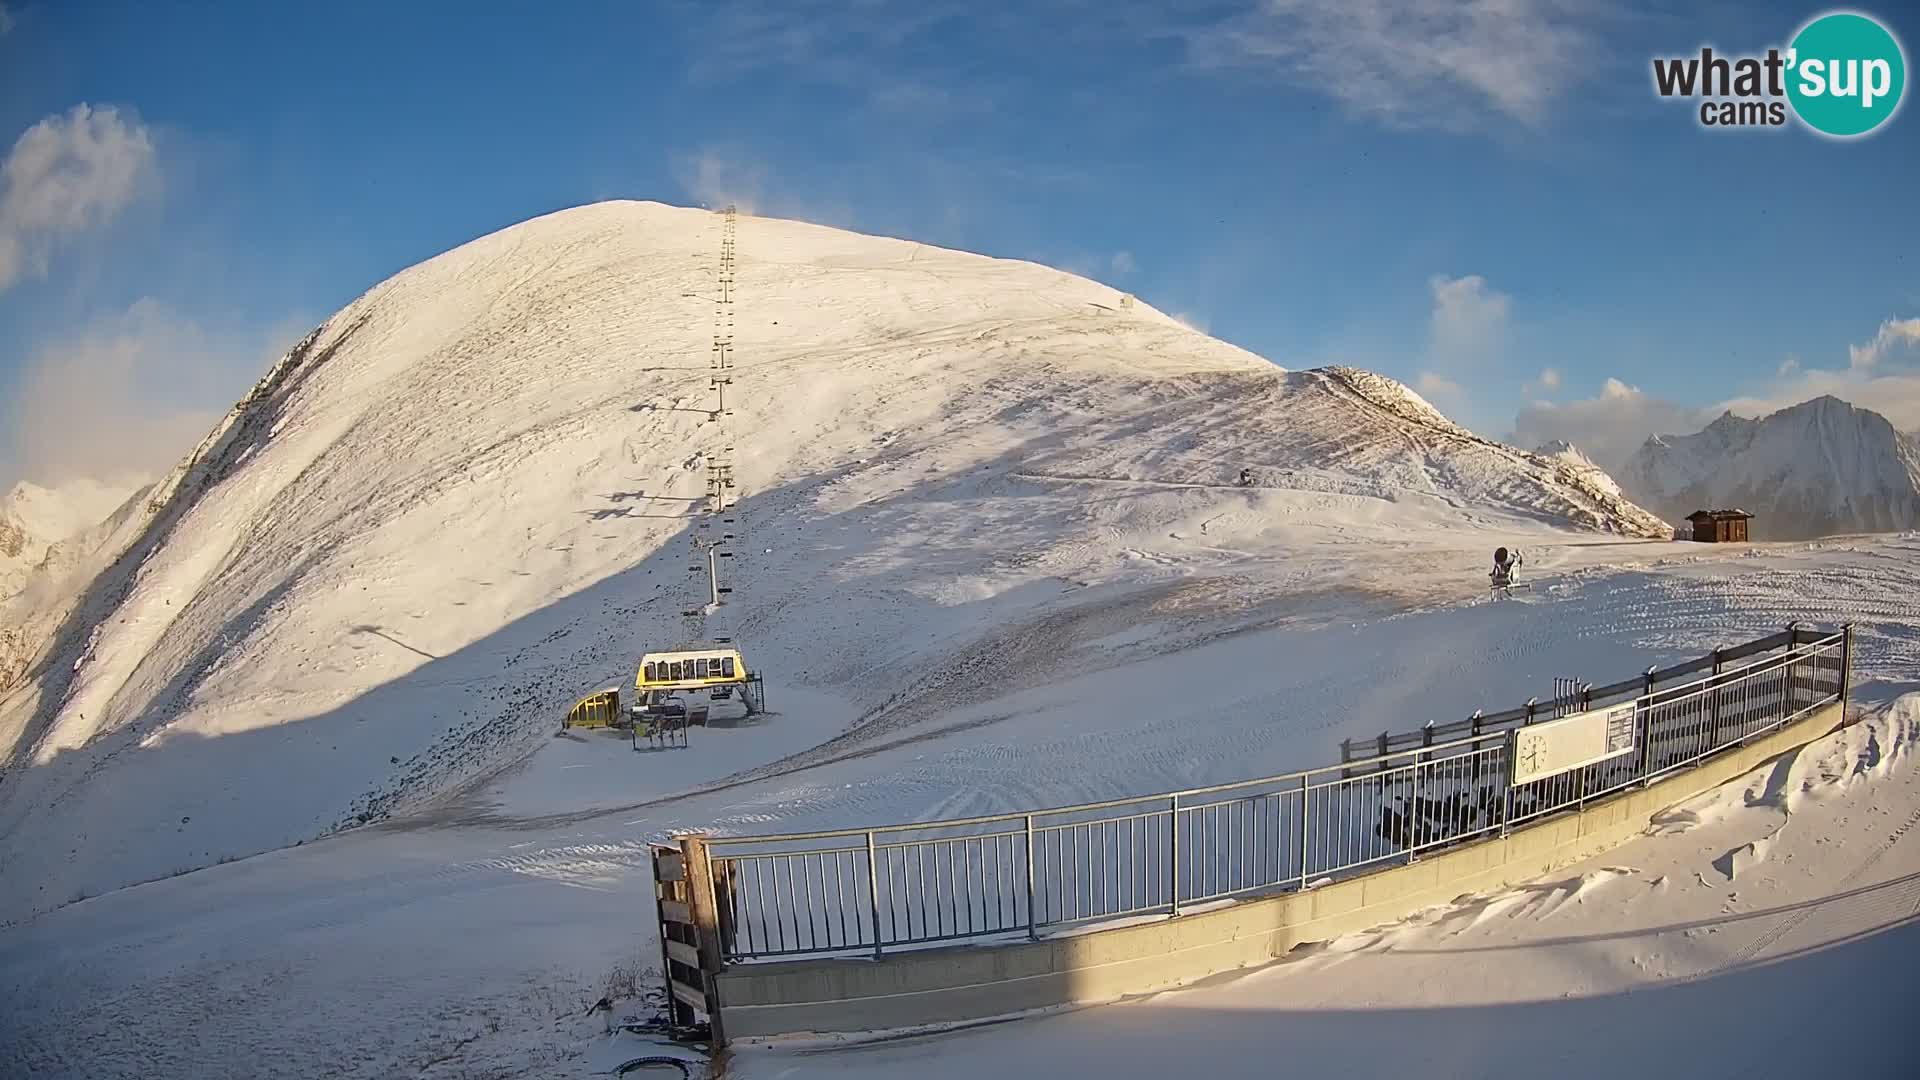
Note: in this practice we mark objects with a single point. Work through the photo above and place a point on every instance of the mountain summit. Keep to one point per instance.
(467, 498)
(1818, 468)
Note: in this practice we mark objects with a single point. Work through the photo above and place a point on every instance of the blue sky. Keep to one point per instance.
(1487, 202)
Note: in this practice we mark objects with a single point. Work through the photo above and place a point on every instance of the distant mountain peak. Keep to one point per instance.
(1815, 468)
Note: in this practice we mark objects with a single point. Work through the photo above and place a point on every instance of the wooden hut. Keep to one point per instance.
(1720, 526)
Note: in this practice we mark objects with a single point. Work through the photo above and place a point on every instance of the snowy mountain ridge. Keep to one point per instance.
(1814, 469)
(37, 522)
(465, 499)
(1576, 459)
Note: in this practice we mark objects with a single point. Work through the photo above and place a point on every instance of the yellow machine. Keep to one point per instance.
(688, 683)
(690, 670)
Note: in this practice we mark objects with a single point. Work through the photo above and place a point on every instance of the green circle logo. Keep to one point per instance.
(1845, 74)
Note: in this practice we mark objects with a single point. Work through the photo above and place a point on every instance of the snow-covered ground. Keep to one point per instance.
(475, 942)
(1768, 928)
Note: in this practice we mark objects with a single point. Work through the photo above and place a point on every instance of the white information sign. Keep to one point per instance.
(1557, 746)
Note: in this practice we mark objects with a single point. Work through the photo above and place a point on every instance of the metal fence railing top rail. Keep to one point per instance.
(1536, 709)
(920, 883)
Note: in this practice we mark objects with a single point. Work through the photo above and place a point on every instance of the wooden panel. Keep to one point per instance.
(674, 912)
(684, 953)
(670, 867)
(688, 994)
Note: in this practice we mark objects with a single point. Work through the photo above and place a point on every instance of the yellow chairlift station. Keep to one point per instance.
(688, 686)
(693, 669)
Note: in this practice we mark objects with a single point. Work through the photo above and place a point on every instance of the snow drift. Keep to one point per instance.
(464, 499)
(1818, 468)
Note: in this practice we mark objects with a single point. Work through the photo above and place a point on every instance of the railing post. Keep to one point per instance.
(1033, 924)
(702, 905)
(1586, 705)
(1713, 703)
(1306, 863)
(873, 894)
(1173, 856)
(1643, 733)
(1846, 667)
(1793, 645)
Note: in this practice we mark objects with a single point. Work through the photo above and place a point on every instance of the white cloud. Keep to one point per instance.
(1415, 63)
(1893, 333)
(881, 53)
(6, 20)
(1123, 262)
(1608, 428)
(1894, 396)
(130, 393)
(716, 176)
(1469, 319)
(1882, 375)
(1549, 379)
(1432, 384)
(68, 174)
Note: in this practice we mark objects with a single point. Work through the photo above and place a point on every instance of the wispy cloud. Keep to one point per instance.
(1882, 375)
(1610, 426)
(68, 174)
(1432, 384)
(1893, 334)
(1191, 320)
(1469, 319)
(718, 175)
(864, 48)
(126, 395)
(1096, 267)
(6, 20)
(1442, 64)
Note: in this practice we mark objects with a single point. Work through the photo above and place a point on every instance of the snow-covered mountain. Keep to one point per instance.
(1583, 466)
(37, 521)
(465, 499)
(1818, 468)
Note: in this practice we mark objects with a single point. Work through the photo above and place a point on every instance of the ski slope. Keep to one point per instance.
(464, 500)
(471, 943)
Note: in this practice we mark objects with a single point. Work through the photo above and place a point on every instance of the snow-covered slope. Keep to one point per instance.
(464, 499)
(1818, 468)
(36, 522)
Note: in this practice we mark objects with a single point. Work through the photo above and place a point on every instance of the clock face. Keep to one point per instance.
(1532, 756)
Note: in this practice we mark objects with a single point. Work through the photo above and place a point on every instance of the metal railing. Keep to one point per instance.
(1014, 875)
(1589, 696)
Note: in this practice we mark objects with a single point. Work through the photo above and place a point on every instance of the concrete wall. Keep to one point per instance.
(970, 982)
